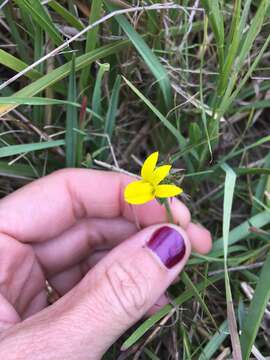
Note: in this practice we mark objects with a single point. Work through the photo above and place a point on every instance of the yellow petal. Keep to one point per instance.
(160, 173)
(149, 166)
(139, 192)
(164, 191)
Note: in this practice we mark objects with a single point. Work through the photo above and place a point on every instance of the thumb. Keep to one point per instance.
(115, 294)
(123, 286)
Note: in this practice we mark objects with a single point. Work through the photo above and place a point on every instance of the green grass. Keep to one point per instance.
(198, 82)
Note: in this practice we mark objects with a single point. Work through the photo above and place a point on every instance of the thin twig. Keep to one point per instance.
(237, 268)
(3, 4)
(114, 168)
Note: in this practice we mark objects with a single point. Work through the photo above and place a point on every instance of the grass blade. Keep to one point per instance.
(256, 310)
(215, 342)
(17, 65)
(189, 284)
(72, 120)
(91, 39)
(217, 24)
(185, 296)
(240, 232)
(67, 15)
(24, 148)
(176, 133)
(112, 110)
(18, 171)
(97, 95)
(227, 209)
(61, 72)
(149, 58)
(38, 13)
(20, 43)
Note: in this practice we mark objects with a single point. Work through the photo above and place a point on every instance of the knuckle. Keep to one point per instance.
(129, 289)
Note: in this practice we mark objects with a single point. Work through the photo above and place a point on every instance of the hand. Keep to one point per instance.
(74, 229)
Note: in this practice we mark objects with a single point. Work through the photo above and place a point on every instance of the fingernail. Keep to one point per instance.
(169, 245)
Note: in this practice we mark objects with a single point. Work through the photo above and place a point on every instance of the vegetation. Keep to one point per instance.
(102, 84)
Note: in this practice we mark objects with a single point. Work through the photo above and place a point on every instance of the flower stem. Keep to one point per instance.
(168, 211)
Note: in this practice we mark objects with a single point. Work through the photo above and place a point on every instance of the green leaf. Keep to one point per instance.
(147, 324)
(72, 120)
(61, 72)
(189, 284)
(215, 342)
(17, 65)
(256, 310)
(97, 95)
(229, 186)
(17, 170)
(241, 231)
(67, 15)
(148, 56)
(176, 133)
(41, 16)
(214, 13)
(91, 39)
(21, 45)
(11, 150)
(112, 111)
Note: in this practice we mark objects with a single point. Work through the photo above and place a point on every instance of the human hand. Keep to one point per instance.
(74, 229)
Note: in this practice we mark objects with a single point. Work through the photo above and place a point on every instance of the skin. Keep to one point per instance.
(74, 229)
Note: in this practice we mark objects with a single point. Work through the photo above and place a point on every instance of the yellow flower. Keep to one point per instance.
(142, 191)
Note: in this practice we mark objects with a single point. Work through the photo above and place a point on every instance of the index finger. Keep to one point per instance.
(45, 208)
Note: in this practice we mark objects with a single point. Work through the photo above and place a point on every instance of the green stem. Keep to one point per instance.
(169, 211)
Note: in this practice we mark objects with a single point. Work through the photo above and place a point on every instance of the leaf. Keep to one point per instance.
(63, 71)
(180, 139)
(189, 284)
(17, 65)
(215, 342)
(97, 95)
(147, 324)
(18, 171)
(256, 310)
(148, 56)
(217, 24)
(38, 13)
(229, 186)
(72, 120)
(67, 15)
(11, 150)
(91, 39)
(21, 45)
(112, 111)
(240, 232)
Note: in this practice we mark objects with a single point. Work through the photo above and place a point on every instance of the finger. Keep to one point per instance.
(78, 243)
(21, 277)
(81, 241)
(8, 314)
(49, 206)
(131, 278)
(115, 294)
(38, 303)
(200, 238)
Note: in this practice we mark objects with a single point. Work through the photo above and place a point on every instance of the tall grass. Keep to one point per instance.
(190, 78)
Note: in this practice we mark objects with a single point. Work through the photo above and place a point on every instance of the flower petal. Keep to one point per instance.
(149, 166)
(160, 173)
(164, 191)
(139, 192)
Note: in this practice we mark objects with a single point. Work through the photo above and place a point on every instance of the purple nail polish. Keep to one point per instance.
(169, 245)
